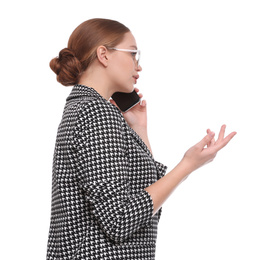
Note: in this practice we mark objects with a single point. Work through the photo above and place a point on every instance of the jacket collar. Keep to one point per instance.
(82, 91)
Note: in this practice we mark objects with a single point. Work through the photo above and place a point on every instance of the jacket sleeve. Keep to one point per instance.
(100, 149)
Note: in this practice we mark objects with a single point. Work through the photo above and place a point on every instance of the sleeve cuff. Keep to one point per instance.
(161, 169)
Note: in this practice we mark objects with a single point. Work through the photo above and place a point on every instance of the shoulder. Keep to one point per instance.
(100, 124)
(100, 112)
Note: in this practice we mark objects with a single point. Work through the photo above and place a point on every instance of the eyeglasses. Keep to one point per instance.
(136, 54)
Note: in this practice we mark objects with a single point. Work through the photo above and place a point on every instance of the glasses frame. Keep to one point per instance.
(136, 58)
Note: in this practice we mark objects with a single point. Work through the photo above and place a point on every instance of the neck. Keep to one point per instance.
(95, 78)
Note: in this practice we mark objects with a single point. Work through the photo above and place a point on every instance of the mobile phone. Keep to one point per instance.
(125, 101)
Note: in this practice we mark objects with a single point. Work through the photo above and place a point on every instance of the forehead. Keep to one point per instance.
(128, 41)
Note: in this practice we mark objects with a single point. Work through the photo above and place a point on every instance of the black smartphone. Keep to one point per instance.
(125, 101)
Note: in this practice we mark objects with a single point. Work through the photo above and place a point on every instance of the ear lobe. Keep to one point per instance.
(102, 55)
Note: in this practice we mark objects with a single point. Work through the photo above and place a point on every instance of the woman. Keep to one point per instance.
(107, 189)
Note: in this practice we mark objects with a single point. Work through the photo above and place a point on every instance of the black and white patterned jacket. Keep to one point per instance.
(100, 209)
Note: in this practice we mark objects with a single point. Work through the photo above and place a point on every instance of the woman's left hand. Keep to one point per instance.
(136, 117)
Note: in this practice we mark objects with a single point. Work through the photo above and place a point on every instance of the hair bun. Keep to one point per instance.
(67, 67)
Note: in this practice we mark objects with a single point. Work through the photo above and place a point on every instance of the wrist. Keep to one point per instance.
(187, 166)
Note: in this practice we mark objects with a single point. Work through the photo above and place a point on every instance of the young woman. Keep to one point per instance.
(107, 189)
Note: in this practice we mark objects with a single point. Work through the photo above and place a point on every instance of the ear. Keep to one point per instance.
(103, 55)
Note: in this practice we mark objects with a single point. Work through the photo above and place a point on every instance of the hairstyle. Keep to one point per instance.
(82, 46)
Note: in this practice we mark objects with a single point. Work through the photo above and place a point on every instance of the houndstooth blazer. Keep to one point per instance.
(100, 209)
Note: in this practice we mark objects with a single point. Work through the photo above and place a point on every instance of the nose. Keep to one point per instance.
(139, 68)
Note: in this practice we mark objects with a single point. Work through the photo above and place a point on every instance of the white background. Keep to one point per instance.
(204, 64)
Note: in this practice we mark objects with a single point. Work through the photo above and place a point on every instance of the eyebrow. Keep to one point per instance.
(134, 46)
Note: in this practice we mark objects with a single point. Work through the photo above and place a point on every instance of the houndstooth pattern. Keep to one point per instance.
(100, 209)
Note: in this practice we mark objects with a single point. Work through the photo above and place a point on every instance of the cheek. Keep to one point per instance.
(122, 74)
(126, 70)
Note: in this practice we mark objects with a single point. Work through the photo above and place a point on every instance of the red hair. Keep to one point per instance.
(82, 46)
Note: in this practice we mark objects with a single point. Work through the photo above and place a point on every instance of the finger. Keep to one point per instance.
(206, 140)
(222, 132)
(226, 140)
(143, 103)
(212, 142)
(209, 144)
(137, 90)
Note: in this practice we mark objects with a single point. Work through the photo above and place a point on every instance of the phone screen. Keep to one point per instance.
(125, 101)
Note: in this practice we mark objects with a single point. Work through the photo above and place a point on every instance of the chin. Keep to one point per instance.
(128, 89)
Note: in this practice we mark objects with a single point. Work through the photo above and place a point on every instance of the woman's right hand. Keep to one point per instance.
(198, 155)
(206, 150)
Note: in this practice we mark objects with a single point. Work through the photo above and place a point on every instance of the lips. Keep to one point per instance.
(136, 77)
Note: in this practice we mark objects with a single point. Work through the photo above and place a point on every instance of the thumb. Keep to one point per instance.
(113, 102)
(206, 140)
